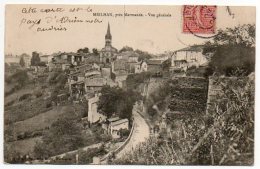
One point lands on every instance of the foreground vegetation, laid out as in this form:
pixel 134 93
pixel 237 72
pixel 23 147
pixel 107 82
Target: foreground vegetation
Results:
pixel 225 136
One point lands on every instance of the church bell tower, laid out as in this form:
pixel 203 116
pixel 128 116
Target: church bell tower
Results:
pixel 108 37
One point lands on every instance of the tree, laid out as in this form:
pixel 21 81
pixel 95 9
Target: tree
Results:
pixel 143 55
pixel 125 106
pixel 83 50
pixel 126 48
pixel 22 62
pixel 95 51
pixel 64 135
pixel 233 51
pixel 166 65
pixel 35 60
pixel 134 80
pixel 42 64
pixel 114 100
pixel 113 76
pixel 109 96
pixel 86 157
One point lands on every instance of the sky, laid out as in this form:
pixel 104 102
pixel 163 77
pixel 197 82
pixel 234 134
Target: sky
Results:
pixel 152 34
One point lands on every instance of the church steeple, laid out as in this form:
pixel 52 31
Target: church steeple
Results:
pixel 108 36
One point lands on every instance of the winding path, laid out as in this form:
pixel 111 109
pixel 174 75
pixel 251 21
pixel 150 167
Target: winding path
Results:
pixel 140 132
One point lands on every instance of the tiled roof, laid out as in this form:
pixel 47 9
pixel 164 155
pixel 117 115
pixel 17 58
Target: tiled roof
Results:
pixel 118 122
pixel 95 82
pixel 45 56
pixel 154 62
pixel 196 48
pixel 112 119
pixel 180 60
pixel 129 54
pixel 120 64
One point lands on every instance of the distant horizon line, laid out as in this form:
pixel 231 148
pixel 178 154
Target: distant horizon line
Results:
pixel 90 49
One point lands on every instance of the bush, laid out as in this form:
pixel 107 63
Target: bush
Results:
pixel 44 87
pixel 124 132
pixel 38 94
pixel 134 80
pixel 10 103
pixel 86 157
pixel 48 105
pixel 25 96
pixel 113 100
pixel 64 135
pixel 20 77
pixel 229 55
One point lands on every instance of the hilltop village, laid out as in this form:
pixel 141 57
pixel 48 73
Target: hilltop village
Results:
pixel 95 106
pixel 81 76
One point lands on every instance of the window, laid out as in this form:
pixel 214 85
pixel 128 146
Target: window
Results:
pixel 193 55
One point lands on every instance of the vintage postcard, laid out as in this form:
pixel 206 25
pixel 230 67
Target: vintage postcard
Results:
pixel 129 84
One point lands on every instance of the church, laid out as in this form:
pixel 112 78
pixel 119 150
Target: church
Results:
pixel 108 53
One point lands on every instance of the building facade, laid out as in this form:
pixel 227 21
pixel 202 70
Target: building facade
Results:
pixel 115 126
pixel 108 53
pixel 187 57
pixel 93 114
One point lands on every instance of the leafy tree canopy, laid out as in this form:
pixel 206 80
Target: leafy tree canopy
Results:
pixel 35 60
pixel 232 51
pixel 95 51
pixel 126 48
pixel 83 50
pixel 22 62
pixel 64 135
pixel 143 55
pixel 115 100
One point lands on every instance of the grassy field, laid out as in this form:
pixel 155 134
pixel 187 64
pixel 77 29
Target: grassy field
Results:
pixel 40 121
pixel 22 146
pixel 15 96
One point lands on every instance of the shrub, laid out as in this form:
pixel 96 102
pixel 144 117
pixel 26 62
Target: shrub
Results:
pixel 86 157
pixel 10 103
pixel 38 94
pixel 48 105
pixel 124 132
pixel 25 96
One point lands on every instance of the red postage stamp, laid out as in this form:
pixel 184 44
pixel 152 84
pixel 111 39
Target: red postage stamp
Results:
pixel 199 19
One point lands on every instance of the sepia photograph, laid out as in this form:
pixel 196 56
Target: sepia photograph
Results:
pixel 129 85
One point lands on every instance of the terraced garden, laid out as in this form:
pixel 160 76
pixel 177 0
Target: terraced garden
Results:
pixel 188 95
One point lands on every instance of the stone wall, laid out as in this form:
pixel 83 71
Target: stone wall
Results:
pixel 215 92
pixel 188 95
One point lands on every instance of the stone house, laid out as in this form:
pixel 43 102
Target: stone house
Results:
pixel 93 114
pixel 154 66
pixel 129 56
pixel 71 58
pixel 76 82
pixel 141 67
pixel 187 57
pixel 39 69
pixel 95 84
pixel 119 66
pixel 27 60
pixel 115 126
pixel 46 59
